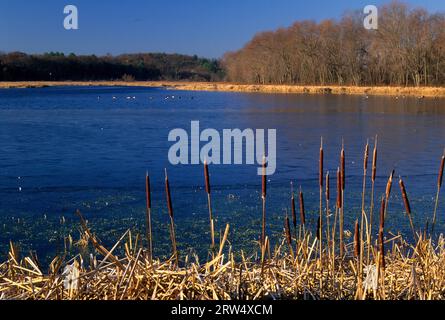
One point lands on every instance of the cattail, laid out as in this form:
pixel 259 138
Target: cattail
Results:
pixel 366 157
pixel 357 240
pixel 209 202
pixel 407 206
pixel 169 198
pixel 287 230
pixel 371 210
pixel 320 175
pixel 338 188
pixel 389 185
pixel 382 213
pixel 264 180
pixel 319 228
pixel 148 191
pixel 374 161
pixel 172 223
pixel 292 205
pixel 404 196
pixel 440 179
pixel 206 176
pixel 328 194
pixel 302 213
pixel 343 169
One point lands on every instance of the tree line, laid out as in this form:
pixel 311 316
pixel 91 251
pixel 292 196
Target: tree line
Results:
pixel 408 48
pixel 55 66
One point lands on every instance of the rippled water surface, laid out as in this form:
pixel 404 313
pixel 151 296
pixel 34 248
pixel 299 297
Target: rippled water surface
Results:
pixel 63 149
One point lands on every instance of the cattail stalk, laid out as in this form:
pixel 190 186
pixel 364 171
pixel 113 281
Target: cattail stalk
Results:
pixel 288 235
pixel 371 210
pixel 342 196
pixel 148 217
pixel 172 221
pixel 263 198
pixel 381 248
pixel 382 251
pixel 365 170
pixel 388 191
pixel 439 186
pixel 357 240
pixel 407 206
pixel 302 211
pixel 358 255
pixel 320 219
pixel 338 213
pixel 382 213
pixel 302 219
pixel 292 205
pixel 209 202
pixel 319 231
pixel 327 195
pixel 362 223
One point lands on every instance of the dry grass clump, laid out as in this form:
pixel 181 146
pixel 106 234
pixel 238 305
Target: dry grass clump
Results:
pixel 411 272
pixel 303 265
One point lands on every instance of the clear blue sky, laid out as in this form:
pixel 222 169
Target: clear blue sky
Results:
pixel 203 27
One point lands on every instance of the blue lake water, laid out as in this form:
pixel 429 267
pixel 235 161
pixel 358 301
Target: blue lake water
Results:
pixel 63 149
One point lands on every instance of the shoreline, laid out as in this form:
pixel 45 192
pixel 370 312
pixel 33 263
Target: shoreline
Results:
pixel 418 92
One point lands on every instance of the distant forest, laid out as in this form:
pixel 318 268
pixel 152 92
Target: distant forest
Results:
pixel 55 66
pixel 408 49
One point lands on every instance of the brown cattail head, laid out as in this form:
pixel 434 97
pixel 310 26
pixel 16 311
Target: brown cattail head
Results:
pixel 338 188
pixel 147 191
pixel 319 228
pixel 389 185
pixel 366 156
pixel 302 213
pixel 374 161
pixel 264 180
pixel 382 213
pixel 357 240
pixel 320 172
pixel 206 176
pixel 292 205
pixel 287 230
pixel 169 198
pixel 442 165
pixel 343 168
pixel 328 193
pixel 405 197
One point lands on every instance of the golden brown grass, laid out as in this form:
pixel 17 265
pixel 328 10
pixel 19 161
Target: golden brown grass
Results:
pixel 411 272
pixel 419 92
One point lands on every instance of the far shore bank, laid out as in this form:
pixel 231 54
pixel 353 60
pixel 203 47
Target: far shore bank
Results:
pixel 419 92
